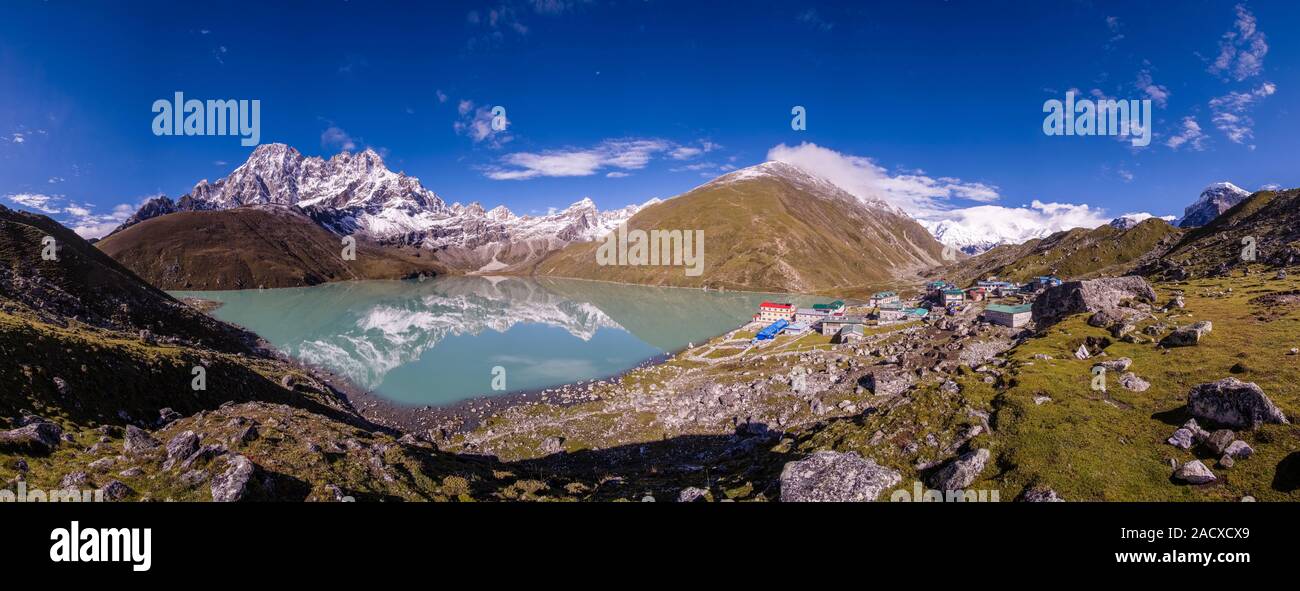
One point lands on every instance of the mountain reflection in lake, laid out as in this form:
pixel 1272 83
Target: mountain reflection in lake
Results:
pixel 437 341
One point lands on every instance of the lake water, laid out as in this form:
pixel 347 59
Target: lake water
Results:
pixel 438 341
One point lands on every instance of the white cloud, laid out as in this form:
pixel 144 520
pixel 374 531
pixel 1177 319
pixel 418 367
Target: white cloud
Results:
pixel 915 193
pixel 334 138
pixel 80 217
pixel 55 180
pixel 1158 93
pixel 476 123
pixel 17 138
pixel 1189 135
pixel 616 175
pixel 622 154
pixel 983 226
pixel 1242 51
pixel 1231 112
pixel 36 201
pixel 442 96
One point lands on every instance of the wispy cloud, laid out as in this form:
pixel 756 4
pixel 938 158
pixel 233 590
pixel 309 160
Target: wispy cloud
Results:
pixel 475 122
pixel 1242 50
pixel 1231 112
pixel 335 138
pixel 814 19
pixel 1189 135
pixel 621 155
pixel 1158 93
pixel 36 201
pixel 79 217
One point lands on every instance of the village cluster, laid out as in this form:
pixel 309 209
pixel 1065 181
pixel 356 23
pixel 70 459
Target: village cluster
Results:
pixel 1007 304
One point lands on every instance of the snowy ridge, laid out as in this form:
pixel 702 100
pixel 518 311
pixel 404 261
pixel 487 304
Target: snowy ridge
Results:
pixel 357 194
pixel 1214 200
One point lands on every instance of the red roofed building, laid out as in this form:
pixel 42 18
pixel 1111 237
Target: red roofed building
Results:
pixel 773 311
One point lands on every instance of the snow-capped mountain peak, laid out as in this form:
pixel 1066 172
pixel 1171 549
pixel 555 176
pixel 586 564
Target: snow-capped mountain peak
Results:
pixel 1214 200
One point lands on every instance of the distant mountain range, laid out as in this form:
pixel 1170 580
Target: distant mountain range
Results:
pixel 357 194
pixel 1214 200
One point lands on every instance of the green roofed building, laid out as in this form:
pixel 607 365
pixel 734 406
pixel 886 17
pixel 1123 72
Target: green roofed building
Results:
pixel 1013 316
pixel 834 306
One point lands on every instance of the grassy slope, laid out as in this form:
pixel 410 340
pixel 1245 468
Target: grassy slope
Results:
pixel 766 234
pixel 1078 254
pixel 1272 218
pixel 250 247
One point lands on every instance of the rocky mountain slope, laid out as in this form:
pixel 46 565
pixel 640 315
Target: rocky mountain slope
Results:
pixel 257 246
pixel 1268 220
pixel 357 194
pixel 770 227
pixel 1213 201
pixel 1077 253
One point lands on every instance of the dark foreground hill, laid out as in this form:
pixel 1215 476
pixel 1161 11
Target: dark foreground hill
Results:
pixel 251 247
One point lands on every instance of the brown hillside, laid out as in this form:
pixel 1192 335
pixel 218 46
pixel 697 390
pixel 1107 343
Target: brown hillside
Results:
pixel 250 247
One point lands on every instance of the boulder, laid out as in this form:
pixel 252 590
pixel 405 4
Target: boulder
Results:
pixel 1198 434
pixel 1116 365
pixel 181 447
pixel 39 437
pixel 836 477
pixel 1219 441
pixel 116 490
pixel 961 472
pixel 234 484
pixel 1239 449
pixel 1092 296
pixel 692 494
pixel 1041 494
pixel 1233 403
pixel 1130 381
pixel 1186 336
pixel 1181 439
pixel 137 440
pixel 1194 472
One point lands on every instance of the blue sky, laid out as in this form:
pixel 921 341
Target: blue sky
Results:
pixel 936 106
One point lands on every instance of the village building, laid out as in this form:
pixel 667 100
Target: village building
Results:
pixel 1013 316
pixel 975 294
pixel 850 332
pixel 834 307
pixel 810 316
pixel 1045 282
pixel 883 298
pixel 773 311
pixel 952 297
pixel 832 324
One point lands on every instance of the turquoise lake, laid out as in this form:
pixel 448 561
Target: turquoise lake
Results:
pixel 438 341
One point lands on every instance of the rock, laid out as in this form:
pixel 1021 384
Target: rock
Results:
pixel 1226 461
pixel 204 455
pixel 835 476
pixel 1116 365
pixel 889 381
pixel 287 381
pixel 1233 403
pixel 961 472
pixel 75 480
pixel 1219 441
pixel 249 434
pixel 1096 295
pixel 180 447
pixel 1040 399
pixel 167 416
pixel 1239 449
pixel 234 484
pixel 100 465
pixel 1082 353
pixel 1181 439
pixel 39 437
pixel 1194 472
pixel 137 440
pixel 552 445
pixel 1130 381
pixel 1043 356
pixel 131 472
pixel 116 490
pixel 1041 494
pixel 1186 336
pixel 1198 434
pixel 692 494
